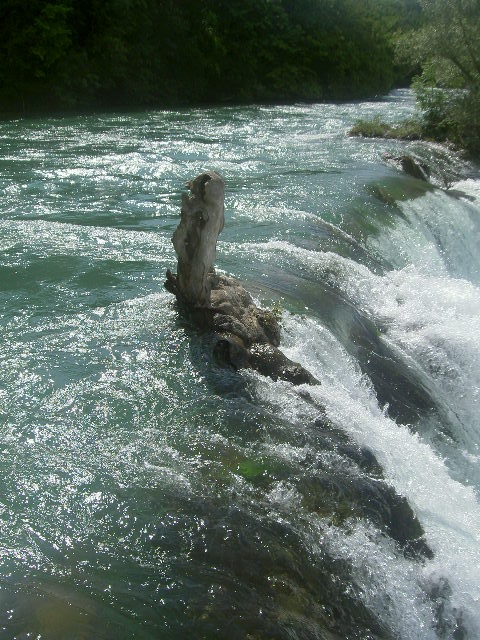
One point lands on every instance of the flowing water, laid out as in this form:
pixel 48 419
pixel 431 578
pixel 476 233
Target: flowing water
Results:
pixel 145 492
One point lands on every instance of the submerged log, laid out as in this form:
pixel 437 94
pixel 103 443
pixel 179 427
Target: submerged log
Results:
pixel 246 336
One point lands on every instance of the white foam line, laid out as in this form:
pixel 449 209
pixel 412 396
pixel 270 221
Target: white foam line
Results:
pixel 448 510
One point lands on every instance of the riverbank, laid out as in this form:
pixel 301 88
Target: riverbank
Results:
pixel 417 128
pixel 410 129
pixel 158 54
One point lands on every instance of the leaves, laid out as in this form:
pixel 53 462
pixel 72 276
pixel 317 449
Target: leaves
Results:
pixel 447 46
pixel 64 53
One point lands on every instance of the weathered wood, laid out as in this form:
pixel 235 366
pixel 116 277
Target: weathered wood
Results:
pixel 195 239
pixel 246 336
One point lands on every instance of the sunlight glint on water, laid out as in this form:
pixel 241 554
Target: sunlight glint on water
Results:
pixel 148 493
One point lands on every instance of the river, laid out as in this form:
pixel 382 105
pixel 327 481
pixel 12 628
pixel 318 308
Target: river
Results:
pixel 148 493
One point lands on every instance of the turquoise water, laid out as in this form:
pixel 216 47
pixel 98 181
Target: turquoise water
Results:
pixel 148 493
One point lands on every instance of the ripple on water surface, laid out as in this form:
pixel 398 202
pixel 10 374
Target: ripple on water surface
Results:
pixel 148 493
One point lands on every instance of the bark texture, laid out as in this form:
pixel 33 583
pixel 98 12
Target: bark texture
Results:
pixel 246 336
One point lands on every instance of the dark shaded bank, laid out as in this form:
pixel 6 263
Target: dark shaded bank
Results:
pixel 64 55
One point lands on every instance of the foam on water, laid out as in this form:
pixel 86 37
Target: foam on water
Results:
pixel 439 234
pixel 427 312
pixel 431 322
pixel 448 510
pixel 390 585
pixel 469 189
pixel 153 491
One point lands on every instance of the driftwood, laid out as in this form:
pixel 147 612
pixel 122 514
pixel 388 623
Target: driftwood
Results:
pixel 245 335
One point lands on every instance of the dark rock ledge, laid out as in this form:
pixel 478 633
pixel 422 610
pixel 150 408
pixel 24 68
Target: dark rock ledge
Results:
pixel 245 336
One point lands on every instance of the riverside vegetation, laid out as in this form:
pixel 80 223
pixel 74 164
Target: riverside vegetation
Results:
pixel 62 55
pixel 446 46
pixel 58 55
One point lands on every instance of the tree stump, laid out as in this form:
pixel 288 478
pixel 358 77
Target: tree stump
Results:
pixel 245 335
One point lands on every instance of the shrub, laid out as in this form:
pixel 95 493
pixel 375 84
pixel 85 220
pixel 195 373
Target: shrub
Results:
pixel 409 129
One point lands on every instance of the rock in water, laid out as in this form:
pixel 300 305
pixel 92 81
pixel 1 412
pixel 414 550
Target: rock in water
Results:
pixel 415 168
pixel 246 336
